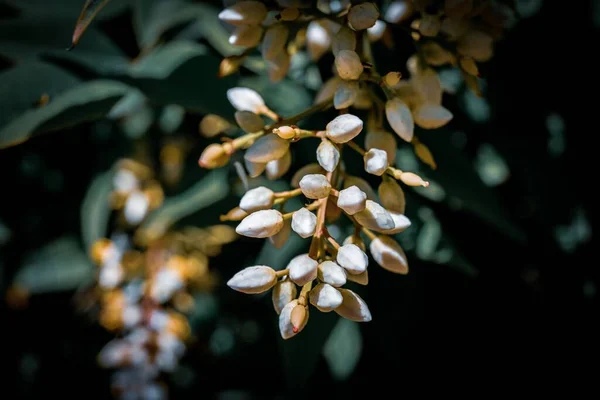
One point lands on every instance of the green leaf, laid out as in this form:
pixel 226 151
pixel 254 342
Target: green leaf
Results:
pixel 86 102
pixel 95 209
pixel 59 266
pixel 28 38
pixel 21 87
pixel 211 189
pixel 343 348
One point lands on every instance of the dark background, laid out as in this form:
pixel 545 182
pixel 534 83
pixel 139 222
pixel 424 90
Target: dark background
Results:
pixel 529 317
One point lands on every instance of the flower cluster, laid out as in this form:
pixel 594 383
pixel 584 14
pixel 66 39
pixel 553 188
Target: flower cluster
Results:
pixel 144 289
pixel 454 33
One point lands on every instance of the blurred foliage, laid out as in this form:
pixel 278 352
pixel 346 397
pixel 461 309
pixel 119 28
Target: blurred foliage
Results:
pixel 499 244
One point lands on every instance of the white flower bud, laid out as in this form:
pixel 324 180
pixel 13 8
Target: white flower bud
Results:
pixel 252 280
pixel 346 94
pixel 261 224
pixel 344 128
pixel 331 273
pixel 392 196
pixel 136 207
pixel 328 155
pixel 353 307
pixel 277 168
pixel 363 16
pixel 246 36
pixel 400 119
pixel 254 169
pixel 249 121
pixel 244 13
pixel 375 161
pixel 360 183
pixel 308 169
pixel 348 65
pixel 286 328
pixel 432 116
pixel 388 253
pixel 361 279
pixel 283 293
pixel 274 41
pixel 401 223
pixel 325 297
pixel 267 148
pixel 244 99
pixel 357 241
pixel 279 239
pixel 430 25
pixel 352 200
pixel 303 269
pixel 315 186
pixel 377 31
pixel 375 217
pixel 304 223
pixel 259 198
pixel 328 89
pixel 345 39
pixel 318 40
pixel 382 140
pixel 352 259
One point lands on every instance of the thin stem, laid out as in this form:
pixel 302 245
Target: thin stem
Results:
pixel 311 207
pixel 369 234
pixel 288 194
pixel 330 239
pixel 304 293
pixel 282 273
pixel 316 245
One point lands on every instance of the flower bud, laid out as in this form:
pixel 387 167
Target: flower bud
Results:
pixel 279 239
pixel 328 155
pixel 261 224
pixel 289 14
pixel 283 293
pixel 285 132
pixel 345 39
pixel 363 16
pixel 304 223
pixel 259 198
pixel 136 207
pixel 346 94
pixel 308 169
pixel 388 253
pixel 286 328
pixel 360 183
pixel 353 307
pixel 315 186
pixel 344 128
pixel 249 121
pixel 392 196
pixel 244 13
pixel 277 168
pixel 361 279
pixel 318 40
pixel 348 65
pixel 274 41
pixel 254 169
pixel 246 36
pixel 375 162
pixel 357 240
pixel 375 217
pixel 378 139
pixel 213 156
pixel 325 297
pixel 267 148
pixel 398 11
pixel 352 200
pixel 211 125
pixel 230 65
pixel 331 273
pixel 400 119
pixel 252 280
pixel 412 179
pixel 401 223
pixel 352 259
pixel 392 78
pixel 245 99
pixel 303 269
pixel 432 116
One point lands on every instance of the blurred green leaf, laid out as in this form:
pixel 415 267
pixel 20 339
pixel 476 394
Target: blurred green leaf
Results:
pixel 59 266
pixel 171 118
pixel 95 209
pixel 90 9
pixel 163 60
pixel 343 348
pixel 211 189
pixel 27 38
pixel 85 102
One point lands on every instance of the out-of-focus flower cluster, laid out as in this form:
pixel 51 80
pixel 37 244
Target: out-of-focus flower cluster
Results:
pixel 456 33
pixel 144 289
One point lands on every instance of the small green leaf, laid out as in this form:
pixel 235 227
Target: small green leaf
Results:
pixel 343 348
pixel 95 209
pixel 89 12
pixel 86 102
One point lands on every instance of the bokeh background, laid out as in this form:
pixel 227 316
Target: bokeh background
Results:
pixel 503 281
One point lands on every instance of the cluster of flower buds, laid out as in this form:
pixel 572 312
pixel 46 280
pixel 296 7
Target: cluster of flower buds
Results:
pixel 144 294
